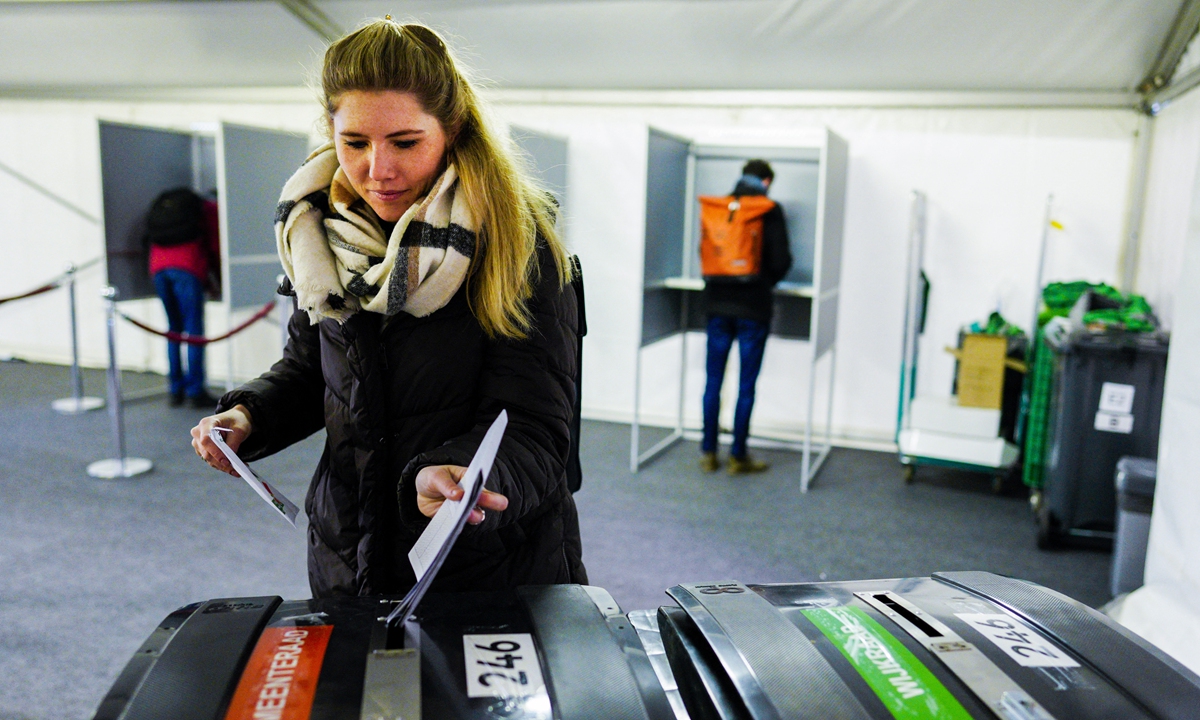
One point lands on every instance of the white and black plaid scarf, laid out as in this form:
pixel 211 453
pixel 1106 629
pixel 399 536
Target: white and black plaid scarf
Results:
pixel 333 248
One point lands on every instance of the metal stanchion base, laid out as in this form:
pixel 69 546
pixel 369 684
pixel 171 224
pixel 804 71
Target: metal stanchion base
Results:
pixel 75 406
pixel 119 467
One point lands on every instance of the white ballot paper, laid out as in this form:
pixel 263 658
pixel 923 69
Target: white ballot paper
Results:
pixel 274 498
pixel 432 547
pixel 445 526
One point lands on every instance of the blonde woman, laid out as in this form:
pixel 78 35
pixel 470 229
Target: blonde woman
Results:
pixel 432 292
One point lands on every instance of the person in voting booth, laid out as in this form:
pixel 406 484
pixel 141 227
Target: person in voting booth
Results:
pixel 432 292
pixel 185 260
pixel 743 252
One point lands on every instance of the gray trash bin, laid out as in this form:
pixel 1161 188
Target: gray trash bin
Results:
pixel 1135 499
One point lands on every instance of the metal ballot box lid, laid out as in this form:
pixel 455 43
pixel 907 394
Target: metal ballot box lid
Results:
pixel 954 645
pixel 561 652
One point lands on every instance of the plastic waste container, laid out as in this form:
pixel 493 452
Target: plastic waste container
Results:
pixel 1106 403
pixel 1135 480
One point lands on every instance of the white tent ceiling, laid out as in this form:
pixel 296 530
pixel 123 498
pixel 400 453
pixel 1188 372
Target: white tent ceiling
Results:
pixel 61 47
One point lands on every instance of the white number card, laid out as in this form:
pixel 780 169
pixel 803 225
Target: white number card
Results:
pixel 1015 638
pixel 502 666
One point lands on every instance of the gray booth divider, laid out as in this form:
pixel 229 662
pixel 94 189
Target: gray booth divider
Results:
pixel 548 159
pixel 253 165
pixel 136 165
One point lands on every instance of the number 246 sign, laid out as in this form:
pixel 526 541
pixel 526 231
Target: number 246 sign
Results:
pixel 502 665
pixel 1017 640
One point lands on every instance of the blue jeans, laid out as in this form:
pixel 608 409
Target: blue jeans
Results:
pixel 182 295
pixel 752 340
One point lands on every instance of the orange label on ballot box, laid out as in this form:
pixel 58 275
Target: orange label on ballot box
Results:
pixel 281 677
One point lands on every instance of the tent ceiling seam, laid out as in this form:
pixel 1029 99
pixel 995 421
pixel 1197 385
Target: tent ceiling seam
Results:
pixel 672 98
pixel 1175 44
pixel 314 17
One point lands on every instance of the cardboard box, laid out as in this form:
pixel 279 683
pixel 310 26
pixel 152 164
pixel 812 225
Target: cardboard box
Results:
pixel 981 371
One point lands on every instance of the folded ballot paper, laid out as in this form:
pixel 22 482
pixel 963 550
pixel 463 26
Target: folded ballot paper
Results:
pixel 272 496
pixel 432 547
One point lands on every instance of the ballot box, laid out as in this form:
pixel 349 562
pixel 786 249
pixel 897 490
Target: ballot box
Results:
pixel 954 645
pixel 562 651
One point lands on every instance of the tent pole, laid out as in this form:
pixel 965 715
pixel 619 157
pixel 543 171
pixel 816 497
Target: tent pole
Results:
pixel 1138 182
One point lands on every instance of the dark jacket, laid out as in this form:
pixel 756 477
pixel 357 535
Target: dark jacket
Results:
pixel 397 394
pixel 751 298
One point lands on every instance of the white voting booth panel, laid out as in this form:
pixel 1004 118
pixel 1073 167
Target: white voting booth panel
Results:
pixel 241 168
pixel 810 186
pixel 252 164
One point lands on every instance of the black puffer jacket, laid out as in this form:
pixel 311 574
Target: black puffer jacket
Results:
pixel 397 394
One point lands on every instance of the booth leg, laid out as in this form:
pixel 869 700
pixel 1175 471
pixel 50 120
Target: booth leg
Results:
pixel 77 403
pixel 806 462
pixel 633 428
pixel 229 383
pixel 120 466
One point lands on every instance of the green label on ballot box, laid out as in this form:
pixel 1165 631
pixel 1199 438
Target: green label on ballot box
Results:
pixel 903 684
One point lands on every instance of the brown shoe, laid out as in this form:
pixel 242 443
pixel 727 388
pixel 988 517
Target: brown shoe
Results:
pixel 709 462
pixel 741 466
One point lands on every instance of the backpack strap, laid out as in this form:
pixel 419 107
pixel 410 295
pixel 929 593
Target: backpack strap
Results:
pixel 574 468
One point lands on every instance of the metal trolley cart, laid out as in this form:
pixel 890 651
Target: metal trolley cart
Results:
pixel 935 430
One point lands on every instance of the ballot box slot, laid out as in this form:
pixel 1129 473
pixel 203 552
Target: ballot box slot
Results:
pixel 913 617
pixel 392 678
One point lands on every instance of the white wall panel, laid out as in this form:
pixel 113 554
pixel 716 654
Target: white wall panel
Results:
pixel 56 145
pixel 986 173
pixel 1173 164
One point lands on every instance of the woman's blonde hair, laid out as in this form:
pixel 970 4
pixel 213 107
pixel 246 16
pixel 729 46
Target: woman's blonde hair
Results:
pixel 512 211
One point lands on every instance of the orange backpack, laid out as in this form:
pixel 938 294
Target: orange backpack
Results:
pixel 731 230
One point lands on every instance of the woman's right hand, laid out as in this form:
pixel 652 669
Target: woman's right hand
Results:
pixel 237 421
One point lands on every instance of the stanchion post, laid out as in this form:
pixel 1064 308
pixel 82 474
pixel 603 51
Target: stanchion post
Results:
pixel 120 466
pixel 77 403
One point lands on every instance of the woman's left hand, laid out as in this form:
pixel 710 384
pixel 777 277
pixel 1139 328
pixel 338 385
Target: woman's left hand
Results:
pixel 439 483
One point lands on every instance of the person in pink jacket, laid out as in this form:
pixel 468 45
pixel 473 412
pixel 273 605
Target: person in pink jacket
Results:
pixel 184 256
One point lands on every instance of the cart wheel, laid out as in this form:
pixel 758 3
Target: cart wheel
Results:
pixel 1047 535
pixel 1035 501
pixel 910 473
pixel 998 484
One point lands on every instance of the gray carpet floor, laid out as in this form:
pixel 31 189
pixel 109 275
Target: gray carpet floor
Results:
pixel 89 567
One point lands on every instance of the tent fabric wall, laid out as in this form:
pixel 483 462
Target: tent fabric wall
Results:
pixel 1166 610
pixel 1173 165
pixel 58 149
pixel 986 172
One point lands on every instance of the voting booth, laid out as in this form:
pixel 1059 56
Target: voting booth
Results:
pixel 241 168
pixel 810 187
